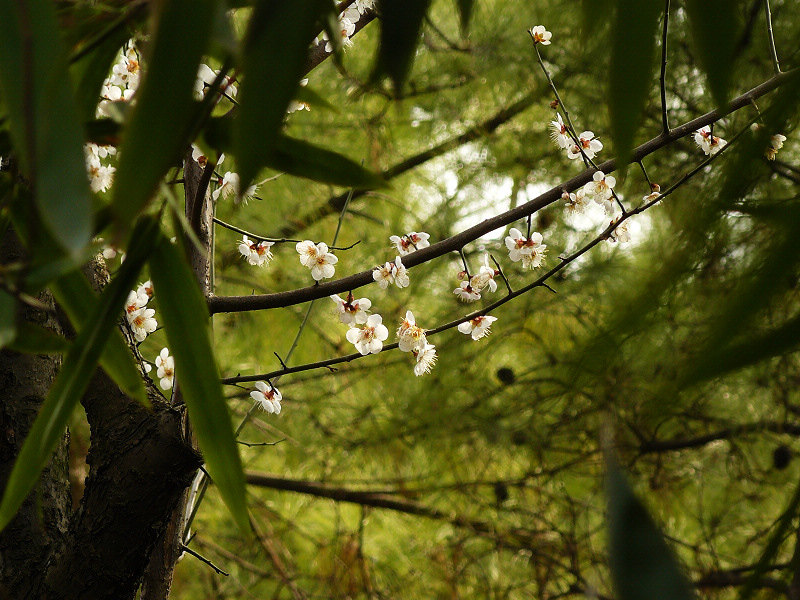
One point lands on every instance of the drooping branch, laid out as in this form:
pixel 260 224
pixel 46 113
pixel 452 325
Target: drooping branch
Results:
pixel 656 446
pixel 220 304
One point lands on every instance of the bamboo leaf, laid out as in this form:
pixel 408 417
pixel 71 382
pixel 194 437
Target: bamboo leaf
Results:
pixel 76 297
pixel 33 339
pixel 465 13
pixel 643 566
pixel 401 25
pixel 43 119
pixel 632 69
pixel 186 319
pixel 161 122
pixel 73 378
pixel 715 32
pixel 274 61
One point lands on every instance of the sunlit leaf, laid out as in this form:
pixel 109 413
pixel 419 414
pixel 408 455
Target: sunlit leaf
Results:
pixel 274 59
pixel 401 24
pixel 73 378
pixel 633 39
pixel 43 119
pixel 186 320
pixel 715 32
pixel 643 567
pixel 161 122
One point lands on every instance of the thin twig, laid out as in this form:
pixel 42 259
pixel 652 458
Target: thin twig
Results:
pixel 199 557
pixel 773 52
pixel 663 79
pixel 262 238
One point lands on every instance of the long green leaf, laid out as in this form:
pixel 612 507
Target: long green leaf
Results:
pixel 715 32
pixel 465 13
pixel 8 318
pixel 643 567
pixel 43 119
pixel 632 69
pixel 186 320
pixel 161 122
pixel 73 378
pixel 76 297
pixel 33 339
pixel 273 62
pixel 92 68
pixel 401 24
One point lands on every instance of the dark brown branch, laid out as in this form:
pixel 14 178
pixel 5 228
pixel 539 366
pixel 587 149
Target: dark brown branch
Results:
pixel 655 446
pixel 663 78
pixel 288 298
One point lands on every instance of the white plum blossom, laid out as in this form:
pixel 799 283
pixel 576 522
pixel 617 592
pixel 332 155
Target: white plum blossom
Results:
pixel 126 71
pixel 136 300
pixel 426 358
pixel 142 323
pixel 391 273
pixel 466 293
pixel 710 144
pixel 559 133
pixel 256 253
pixel 540 35
pixel 600 189
pixel 477 327
pixel 410 242
pixel 621 234
pixel 205 77
pixel 409 335
pixel 201 159
pixel 364 5
pixel 308 252
pixel 485 277
pixel 101 176
pixel 369 338
pixel 654 194
pixel 321 264
pixel 146 289
pixel 229 185
pixel 529 251
pixel 346 28
pixel 587 144
pixel 166 369
pixel 577 202
pixel 268 397
pixel 352 311
pixel 296 105
pixel 775 144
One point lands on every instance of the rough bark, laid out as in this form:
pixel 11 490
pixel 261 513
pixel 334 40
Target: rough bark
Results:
pixel 42 520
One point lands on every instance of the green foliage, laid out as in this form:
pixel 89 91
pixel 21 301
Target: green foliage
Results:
pixel 185 317
pixel 401 25
pixel 43 122
pixel 8 318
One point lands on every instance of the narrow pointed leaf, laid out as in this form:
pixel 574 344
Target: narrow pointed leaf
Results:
pixel 161 122
pixel 465 13
pixel 33 339
pixel 401 24
pixel 186 320
pixel 8 318
pixel 632 69
pixel 76 297
pixel 73 378
pixel 43 119
pixel 643 566
pixel 274 60
pixel 715 33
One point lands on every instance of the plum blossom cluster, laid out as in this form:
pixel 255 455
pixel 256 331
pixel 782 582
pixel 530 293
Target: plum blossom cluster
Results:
pixel 411 338
pixel 267 397
pixel 256 253
pixel 529 250
pixel 478 327
pixel 709 143
pixel 140 318
pixel 347 23
pixel 391 272
pixel 98 167
pixel 408 243
pixel 317 258
pixel 122 83
pixel 165 369
pixel 601 190
pixel 206 77
pixel 585 144
pixel 470 288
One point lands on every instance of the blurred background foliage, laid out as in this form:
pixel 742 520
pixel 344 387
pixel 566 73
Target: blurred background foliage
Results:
pixel 493 464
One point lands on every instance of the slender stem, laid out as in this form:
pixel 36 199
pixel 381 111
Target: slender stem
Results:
pixel 464 262
pixel 773 52
pixel 503 275
pixel 188 550
pixel 540 282
pixel 663 80
pixel 644 172
pixel 262 238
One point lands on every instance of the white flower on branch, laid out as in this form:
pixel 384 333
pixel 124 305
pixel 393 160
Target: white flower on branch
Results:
pixel 466 293
pixel 142 323
pixel 426 358
pixel 391 273
pixel 540 35
pixel 256 253
pixel 369 338
pixel 530 251
pixel 587 145
pixel 409 335
pixel 709 143
pixel 165 365
pixel 268 397
pixel 477 327
pixel 317 258
pixel 775 144
pixel 600 190
pixel 485 277
pixel 352 311
pixel 559 134
pixel 405 244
